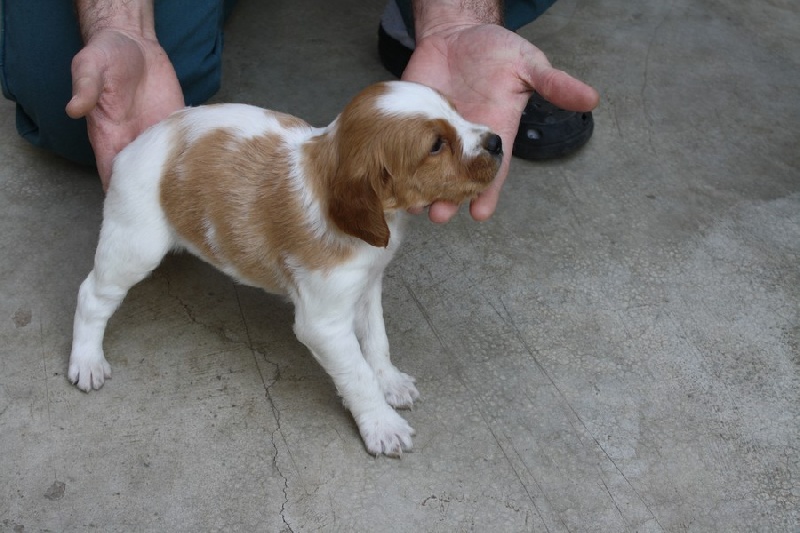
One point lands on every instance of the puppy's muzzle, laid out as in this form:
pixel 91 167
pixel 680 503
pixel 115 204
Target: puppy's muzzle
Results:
pixel 493 144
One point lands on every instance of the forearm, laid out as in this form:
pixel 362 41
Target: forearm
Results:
pixel 434 16
pixel 134 17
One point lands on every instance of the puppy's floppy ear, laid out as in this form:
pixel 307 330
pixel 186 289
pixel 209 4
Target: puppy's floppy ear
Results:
pixel 355 205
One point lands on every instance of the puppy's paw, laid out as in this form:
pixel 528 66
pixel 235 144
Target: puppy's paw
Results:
pixel 398 388
pixel 385 433
pixel 88 372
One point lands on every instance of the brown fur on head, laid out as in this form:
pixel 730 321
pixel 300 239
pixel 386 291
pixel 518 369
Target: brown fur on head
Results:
pixel 386 157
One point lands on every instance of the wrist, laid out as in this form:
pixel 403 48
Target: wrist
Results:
pixel 132 17
pixel 443 17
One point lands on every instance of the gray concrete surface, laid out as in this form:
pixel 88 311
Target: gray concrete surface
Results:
pixel 616 350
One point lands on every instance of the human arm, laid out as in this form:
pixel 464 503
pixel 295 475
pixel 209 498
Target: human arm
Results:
pixel 463 50
pixel 122 80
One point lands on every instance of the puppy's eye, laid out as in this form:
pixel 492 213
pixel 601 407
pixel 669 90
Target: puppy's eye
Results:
pixel 438 144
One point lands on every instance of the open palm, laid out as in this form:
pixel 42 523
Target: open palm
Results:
pixel 122 85
pixel 489 72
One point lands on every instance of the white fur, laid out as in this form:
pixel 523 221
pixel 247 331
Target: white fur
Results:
pixel 338 311
pixel 246 120
pixel 407 98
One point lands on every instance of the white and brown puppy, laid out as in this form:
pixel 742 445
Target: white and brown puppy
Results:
pixel 314 213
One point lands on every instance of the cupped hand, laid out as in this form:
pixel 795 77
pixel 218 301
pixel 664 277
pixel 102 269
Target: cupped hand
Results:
pixel 122 84
pixel 489 72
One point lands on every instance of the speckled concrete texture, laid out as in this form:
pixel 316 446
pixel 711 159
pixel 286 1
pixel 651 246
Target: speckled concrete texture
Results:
pixel 616 350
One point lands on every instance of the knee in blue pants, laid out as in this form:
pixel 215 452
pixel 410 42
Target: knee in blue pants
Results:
pixel 39 39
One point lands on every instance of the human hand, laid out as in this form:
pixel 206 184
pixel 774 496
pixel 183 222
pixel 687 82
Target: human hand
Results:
pixel 489 73
pixel 122 83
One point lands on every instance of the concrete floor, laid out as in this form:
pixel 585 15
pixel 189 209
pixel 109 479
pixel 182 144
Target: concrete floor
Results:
pixel 616 350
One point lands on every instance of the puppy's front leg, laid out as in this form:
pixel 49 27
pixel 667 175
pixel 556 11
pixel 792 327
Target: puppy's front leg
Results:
pixel 328 332
pixel 398 387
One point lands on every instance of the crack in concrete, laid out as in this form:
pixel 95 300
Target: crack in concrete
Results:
pixel 219 331
pixel 267 383
pixel 275 411
pixel 278 433
pixel 646 76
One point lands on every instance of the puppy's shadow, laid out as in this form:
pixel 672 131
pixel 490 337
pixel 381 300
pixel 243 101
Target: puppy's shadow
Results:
pixel 238 314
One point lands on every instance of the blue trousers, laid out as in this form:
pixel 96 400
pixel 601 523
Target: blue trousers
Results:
pixel 39 38
pixel 516 13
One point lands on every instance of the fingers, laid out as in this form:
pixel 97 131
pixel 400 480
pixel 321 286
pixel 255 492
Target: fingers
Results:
pixel 107 141
pixel 442 211
pixel 482 208
pixel 85 94
pixel 104 147
pixel 87 84
pixel 104 165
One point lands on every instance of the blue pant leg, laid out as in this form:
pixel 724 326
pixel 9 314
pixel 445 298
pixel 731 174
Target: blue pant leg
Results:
pixel 516 13
pixel 521 12
pixel 191 33
pixel 39 40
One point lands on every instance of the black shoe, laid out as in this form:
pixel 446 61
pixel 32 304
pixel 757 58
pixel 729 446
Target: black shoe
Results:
pixel 394 56
pixel 545 131
pixel 549 132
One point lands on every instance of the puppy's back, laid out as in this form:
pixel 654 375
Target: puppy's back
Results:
pixel 229 181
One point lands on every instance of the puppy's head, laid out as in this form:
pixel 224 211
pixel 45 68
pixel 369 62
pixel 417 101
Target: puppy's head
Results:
pixel 401 145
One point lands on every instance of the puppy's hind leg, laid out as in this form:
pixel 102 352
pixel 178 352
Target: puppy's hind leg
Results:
pixel 128 250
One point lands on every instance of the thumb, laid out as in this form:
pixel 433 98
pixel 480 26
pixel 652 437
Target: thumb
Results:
pixel 559 88
pixel 87 84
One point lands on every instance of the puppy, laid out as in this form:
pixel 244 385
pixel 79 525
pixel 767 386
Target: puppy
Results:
pixel 312 213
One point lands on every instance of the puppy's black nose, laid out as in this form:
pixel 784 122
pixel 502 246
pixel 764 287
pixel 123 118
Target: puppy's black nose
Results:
pixel 493 144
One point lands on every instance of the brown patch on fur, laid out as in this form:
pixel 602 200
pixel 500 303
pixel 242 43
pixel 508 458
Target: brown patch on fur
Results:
pixel 232 199
pixel 353 180
pixel 287 121
pixel 351 189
